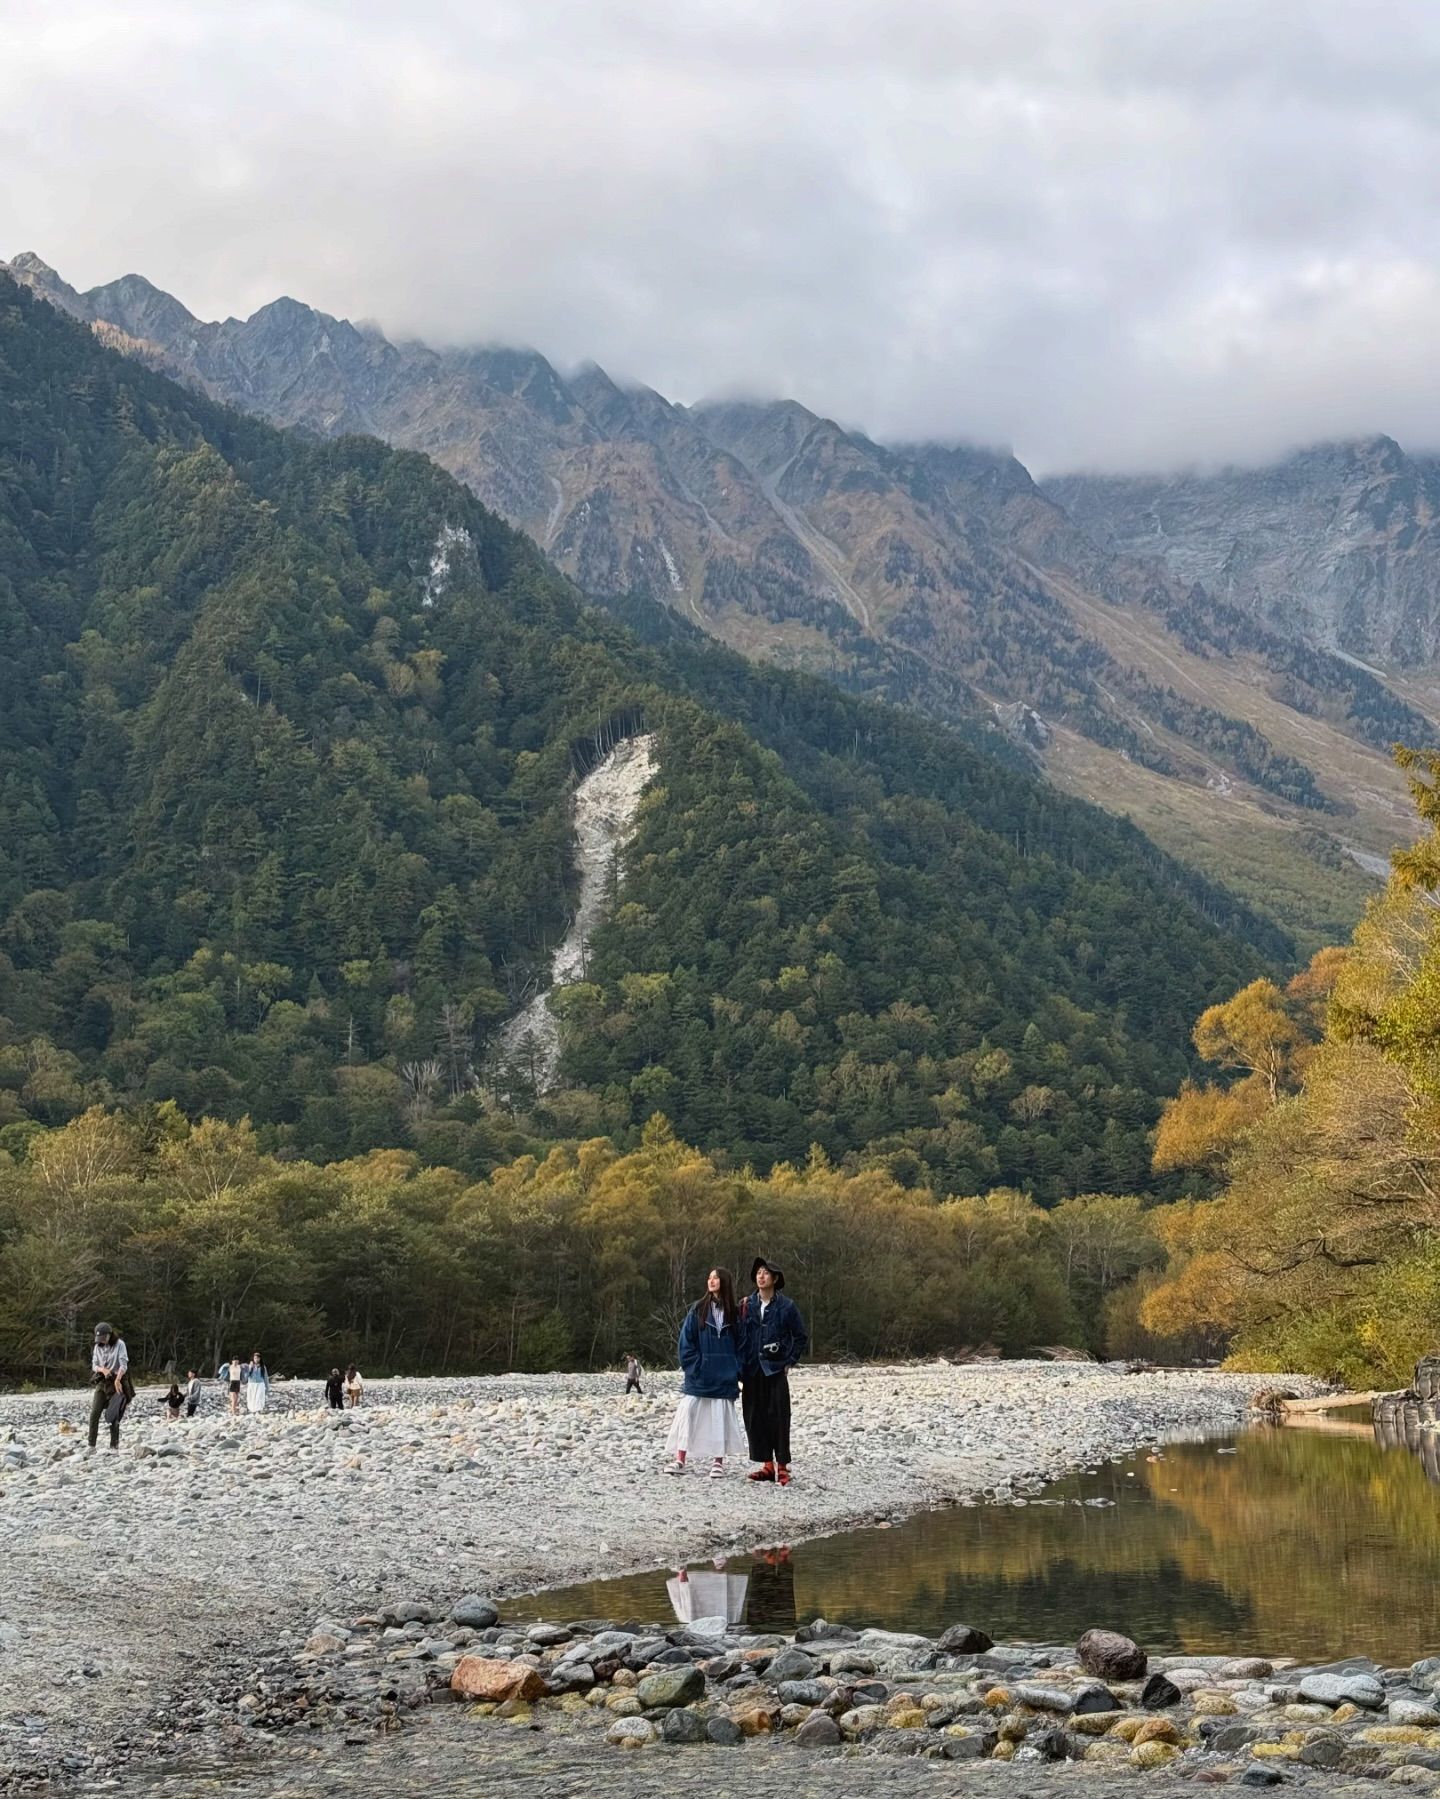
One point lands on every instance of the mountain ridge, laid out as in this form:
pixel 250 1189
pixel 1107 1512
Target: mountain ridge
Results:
pixel 939 576
pixel 289 730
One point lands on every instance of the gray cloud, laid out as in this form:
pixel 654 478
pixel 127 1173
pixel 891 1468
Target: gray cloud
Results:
pixel 1115 233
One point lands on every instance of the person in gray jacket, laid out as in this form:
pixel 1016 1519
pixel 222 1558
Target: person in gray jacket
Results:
pixel 110 1378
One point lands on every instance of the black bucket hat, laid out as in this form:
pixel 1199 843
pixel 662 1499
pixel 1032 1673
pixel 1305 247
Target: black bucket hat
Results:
pixel 761 1262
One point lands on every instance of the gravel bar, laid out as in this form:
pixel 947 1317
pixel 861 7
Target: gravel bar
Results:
pixel 129 1578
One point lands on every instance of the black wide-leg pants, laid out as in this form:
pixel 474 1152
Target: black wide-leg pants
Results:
pixel 765 1405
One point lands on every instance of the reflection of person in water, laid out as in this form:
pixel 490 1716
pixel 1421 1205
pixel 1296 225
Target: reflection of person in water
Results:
pixel 772 1591
pixel 708 1593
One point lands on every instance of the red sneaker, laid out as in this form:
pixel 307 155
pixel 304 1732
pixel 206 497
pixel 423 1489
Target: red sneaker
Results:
pixel 782 1475
pixel 766 1471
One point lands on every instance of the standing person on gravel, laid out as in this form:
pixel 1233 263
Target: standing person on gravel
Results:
pixel 335 1390
pixel 634 1374
pixel 775 1340
pixel 192 1394
pixel 354 1387
pixel 705 1426
pixel 234 1377
pixel 110 1378
pixel 257 1385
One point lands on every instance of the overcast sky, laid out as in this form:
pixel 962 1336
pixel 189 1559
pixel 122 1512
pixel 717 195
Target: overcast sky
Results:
pixel 1111 233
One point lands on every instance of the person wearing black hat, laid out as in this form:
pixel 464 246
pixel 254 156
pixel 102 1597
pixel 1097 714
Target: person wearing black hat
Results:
pixel 775 1340
pixel 110 1377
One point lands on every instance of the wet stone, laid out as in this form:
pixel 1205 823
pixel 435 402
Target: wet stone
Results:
pixel 675 1686
pixel 683 1726
pixel 819 1731
pixel 1159 1692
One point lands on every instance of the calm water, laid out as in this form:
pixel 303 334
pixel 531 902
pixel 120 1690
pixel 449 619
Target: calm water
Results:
pixel 1313 1542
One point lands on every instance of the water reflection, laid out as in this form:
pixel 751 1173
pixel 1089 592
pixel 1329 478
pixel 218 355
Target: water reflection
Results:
pixel 1414 1426
pixel 1289 1541
pixel 711 1592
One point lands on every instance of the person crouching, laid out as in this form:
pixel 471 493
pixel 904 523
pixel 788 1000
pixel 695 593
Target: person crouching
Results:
pixel 706 1427
pixel 775 1340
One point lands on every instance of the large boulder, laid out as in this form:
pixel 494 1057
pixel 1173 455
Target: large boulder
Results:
pixel 1109 1656
pixel 964 1639
pixel 480 1677
pixel 792 1664
pixel 682 1726
pixel 671 1687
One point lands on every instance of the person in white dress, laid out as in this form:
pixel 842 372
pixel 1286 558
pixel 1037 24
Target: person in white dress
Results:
pixel 707 1426
pixel 257 1384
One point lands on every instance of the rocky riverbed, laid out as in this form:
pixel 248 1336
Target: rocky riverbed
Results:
pixel 160 1599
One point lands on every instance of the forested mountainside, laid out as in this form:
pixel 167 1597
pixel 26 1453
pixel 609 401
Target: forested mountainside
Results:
pixel 288 732
pixel 936 576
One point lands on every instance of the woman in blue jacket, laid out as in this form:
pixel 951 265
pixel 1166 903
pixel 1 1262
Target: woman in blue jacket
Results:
pixel 711 1355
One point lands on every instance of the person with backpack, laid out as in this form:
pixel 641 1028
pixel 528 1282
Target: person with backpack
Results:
pixel 705 1426
pixel 775 1340
pixel 257 1384
pixel 110 1378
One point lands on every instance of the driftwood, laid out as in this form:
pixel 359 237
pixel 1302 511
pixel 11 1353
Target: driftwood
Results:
pixel 1280 1404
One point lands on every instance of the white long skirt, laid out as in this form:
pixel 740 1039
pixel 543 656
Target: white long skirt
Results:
pixel 705 1427
pixel 256 1395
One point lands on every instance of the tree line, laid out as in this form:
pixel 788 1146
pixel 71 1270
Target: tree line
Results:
pixel 1311 1242
pixel 200 1244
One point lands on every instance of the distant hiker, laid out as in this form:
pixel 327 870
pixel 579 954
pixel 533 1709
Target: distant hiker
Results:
pixel 173 1401
pixel 233 1377
pixel 110 1377
pixel 193 1389
pixel 634 1374
pixel 335 1390
pixel 257 1384
pixel 775 1340
pixel 711 1348
pixel 354 1386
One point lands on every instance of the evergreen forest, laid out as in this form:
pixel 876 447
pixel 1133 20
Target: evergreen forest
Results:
pixel 288 735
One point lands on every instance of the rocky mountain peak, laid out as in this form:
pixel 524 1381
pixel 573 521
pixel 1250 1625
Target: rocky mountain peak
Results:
pixel 141 309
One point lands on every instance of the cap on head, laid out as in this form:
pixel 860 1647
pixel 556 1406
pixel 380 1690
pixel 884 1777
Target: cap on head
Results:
pixel 104 1330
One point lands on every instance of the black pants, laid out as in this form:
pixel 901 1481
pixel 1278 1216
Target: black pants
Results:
pixel 765 1404
pixel 633 1385
pixel 99 1399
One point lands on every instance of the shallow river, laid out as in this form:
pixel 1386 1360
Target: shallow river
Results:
pixel 1312 1542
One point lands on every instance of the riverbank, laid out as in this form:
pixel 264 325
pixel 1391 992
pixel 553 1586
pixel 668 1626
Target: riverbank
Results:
pixel 131 1578
pixel 569 1708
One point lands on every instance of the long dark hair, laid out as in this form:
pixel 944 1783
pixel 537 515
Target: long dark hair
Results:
pixel 725 1298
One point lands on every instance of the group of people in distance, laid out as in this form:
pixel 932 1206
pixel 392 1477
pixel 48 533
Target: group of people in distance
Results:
pixel 344 1391
pixel 726 1347
pixel 252 1378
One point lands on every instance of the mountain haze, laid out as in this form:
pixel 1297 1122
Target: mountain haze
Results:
pixel 1234 727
